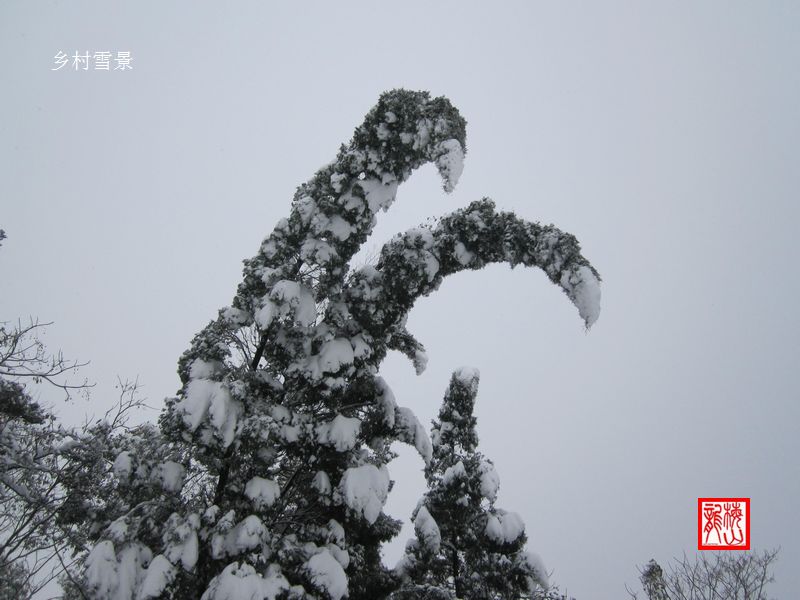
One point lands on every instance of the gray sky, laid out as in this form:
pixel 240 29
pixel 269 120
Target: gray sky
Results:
pixel 664 137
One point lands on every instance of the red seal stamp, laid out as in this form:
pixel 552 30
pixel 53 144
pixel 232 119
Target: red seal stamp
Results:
pixel 723 523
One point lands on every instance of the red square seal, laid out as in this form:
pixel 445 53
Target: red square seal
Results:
pixel 723 523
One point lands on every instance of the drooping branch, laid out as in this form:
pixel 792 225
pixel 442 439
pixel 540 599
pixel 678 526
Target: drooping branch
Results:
pixel 378 299
pixel 334 212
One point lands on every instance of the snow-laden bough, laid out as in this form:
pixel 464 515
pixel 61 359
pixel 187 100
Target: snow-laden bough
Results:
pixel 282 412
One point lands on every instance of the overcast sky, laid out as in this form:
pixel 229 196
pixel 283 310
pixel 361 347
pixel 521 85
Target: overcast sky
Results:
pixel 664 137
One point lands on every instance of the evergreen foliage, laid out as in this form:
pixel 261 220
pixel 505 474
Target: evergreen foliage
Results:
pixel 465 546
pixel 268 474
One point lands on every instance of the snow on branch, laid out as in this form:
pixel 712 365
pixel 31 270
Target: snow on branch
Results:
pixel 414 264
pixel 283 427
pixel 333 213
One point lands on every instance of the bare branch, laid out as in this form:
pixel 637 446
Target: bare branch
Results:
pixel 23 356
pixel 710 576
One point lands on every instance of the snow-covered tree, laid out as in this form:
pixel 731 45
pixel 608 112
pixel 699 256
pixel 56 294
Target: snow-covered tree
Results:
pixel 32 465
pixel 25 482
pixel 465 546
pixel 269 474
pixel 54 487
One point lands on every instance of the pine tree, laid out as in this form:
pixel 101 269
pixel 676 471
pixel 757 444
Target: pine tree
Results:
pixel 464 545
pixel 268 476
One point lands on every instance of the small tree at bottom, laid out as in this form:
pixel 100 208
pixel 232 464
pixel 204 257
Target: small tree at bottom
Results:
pixel 464 546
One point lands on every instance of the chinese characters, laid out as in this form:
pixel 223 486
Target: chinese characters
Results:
pixel 98 61
pixel 723 523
